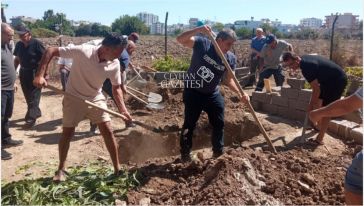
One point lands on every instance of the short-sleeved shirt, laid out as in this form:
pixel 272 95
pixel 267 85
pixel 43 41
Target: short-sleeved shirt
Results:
pixel 207 67
pixel 272 56
pixel 124 60
pixel 88 73
pixel 257 44
pixel 29 56
pixel 325 71
pixel 8 73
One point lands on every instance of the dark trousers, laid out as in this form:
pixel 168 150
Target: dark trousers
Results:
pixel 31 93
pixel 7 105
pixel 64 78
pixel 266 73
pixel 254 64
pixel 107 88
pixel 195 103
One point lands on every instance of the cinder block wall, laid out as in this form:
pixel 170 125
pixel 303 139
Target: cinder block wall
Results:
pixel 291 102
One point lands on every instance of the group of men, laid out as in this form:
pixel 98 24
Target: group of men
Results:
pixel 93 65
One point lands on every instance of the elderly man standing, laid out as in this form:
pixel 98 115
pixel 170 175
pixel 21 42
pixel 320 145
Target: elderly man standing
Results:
pixel 208 68
pixel 28 52
pixel 255 60
pixel 8 76
pixel 271 54
pixel 92 65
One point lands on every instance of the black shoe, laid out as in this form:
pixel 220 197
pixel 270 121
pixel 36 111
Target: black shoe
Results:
pixel 94 130
pixel 217 154
pixel 30 122
pixel 5 155
pixel 130 124
pixel 12 143
pixel 186 157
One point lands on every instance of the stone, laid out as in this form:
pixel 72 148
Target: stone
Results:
pixel 259 96
pixel 289 93
pixel 357 134
pixel 144 201
pixel 334 126
pixel 344 128
pixel 301 105
pixel 308 178
pixel 270 108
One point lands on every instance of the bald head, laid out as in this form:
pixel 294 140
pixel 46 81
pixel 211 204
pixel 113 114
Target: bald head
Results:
pixel 131 47
pixel 7 33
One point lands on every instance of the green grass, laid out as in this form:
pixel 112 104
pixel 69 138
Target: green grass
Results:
pixel 94 184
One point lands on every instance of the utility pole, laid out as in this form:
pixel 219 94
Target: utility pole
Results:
pixel 332 35
pixel 165 36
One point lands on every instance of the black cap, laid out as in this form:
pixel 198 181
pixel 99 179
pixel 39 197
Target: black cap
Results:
pixel 21 29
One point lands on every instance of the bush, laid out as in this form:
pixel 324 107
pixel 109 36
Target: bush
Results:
pixel 43 33
pixel 171 64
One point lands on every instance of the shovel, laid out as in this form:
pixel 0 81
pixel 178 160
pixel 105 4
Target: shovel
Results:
pixel 150 105
pixel 152 97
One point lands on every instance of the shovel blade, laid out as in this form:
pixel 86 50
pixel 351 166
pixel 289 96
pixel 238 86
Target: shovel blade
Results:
pixel 155 106
pixel 154 97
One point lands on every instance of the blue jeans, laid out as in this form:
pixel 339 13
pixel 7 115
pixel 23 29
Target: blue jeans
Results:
pixel 266 73
pixel 354 175
pixel 196 102
pixel 7 105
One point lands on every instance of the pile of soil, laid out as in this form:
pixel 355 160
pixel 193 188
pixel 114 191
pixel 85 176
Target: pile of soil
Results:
pixel 244 176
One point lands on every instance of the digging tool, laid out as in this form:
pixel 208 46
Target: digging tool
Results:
pixel 152 97
pixel 148 69
pixel 150 105
pixel 230 71
pixel 304 127
pixel 59 91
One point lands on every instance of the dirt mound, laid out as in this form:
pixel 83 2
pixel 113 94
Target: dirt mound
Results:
pixel 244 176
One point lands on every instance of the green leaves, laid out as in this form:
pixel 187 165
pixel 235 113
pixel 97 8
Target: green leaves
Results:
pixel 94 184
pixel 171 64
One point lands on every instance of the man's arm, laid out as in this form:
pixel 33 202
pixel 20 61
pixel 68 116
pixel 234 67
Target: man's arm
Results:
pixel 315 95
pixel 39 80
pixel 290 48
pixel 337 108
pixel 187 38
pixel 16 62
pixel 119 100
pixel 229 82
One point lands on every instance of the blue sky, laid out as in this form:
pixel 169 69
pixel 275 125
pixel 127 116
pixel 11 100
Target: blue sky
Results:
pixel 225 11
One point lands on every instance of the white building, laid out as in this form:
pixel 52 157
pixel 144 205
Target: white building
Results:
pixel 249 24
pixel 157 28
pixel 313 23
pixel 16 20
pixel 147 18
pixel 345 21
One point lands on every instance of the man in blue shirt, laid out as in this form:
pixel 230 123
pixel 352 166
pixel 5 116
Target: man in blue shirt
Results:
pixel 207 70
pixel 255 60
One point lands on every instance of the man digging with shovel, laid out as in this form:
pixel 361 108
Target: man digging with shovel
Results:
pixel 92 65
pixel 209 70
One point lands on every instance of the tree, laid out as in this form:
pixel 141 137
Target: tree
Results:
pixel 177 32
pixel 99 30
pixel 243 33
pixel 84 30
pixel 218 26
pixel 128 24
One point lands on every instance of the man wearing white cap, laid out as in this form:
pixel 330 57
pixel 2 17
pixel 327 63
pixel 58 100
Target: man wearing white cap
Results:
pixel 255 60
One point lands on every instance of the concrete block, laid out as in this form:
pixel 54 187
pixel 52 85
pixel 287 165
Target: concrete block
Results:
pixel 344 128
pixel 355 116
pixel 290 93
pixel 305 95
pixel 357 135
pixel 296 83
pixel 292 103
pixel 280 101
pixel 256 105
pixel 283 111
pixel 334 126
pixel 300 105
pixel 270 108
pixel 241 71
pixel 259 96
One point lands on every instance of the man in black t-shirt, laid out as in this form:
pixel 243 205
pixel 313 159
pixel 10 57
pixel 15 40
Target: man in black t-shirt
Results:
pixel 28 52
pixel 327 79
pixel 8 86
pixel 201 84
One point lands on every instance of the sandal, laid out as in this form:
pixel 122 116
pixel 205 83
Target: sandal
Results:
pixel 60 176
pixel 316 142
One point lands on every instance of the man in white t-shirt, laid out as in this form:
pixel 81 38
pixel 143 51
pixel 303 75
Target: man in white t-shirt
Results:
pixel 65 65
pixel 91 66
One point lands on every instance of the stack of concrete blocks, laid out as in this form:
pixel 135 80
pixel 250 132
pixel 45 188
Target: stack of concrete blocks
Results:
pixel 289 101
